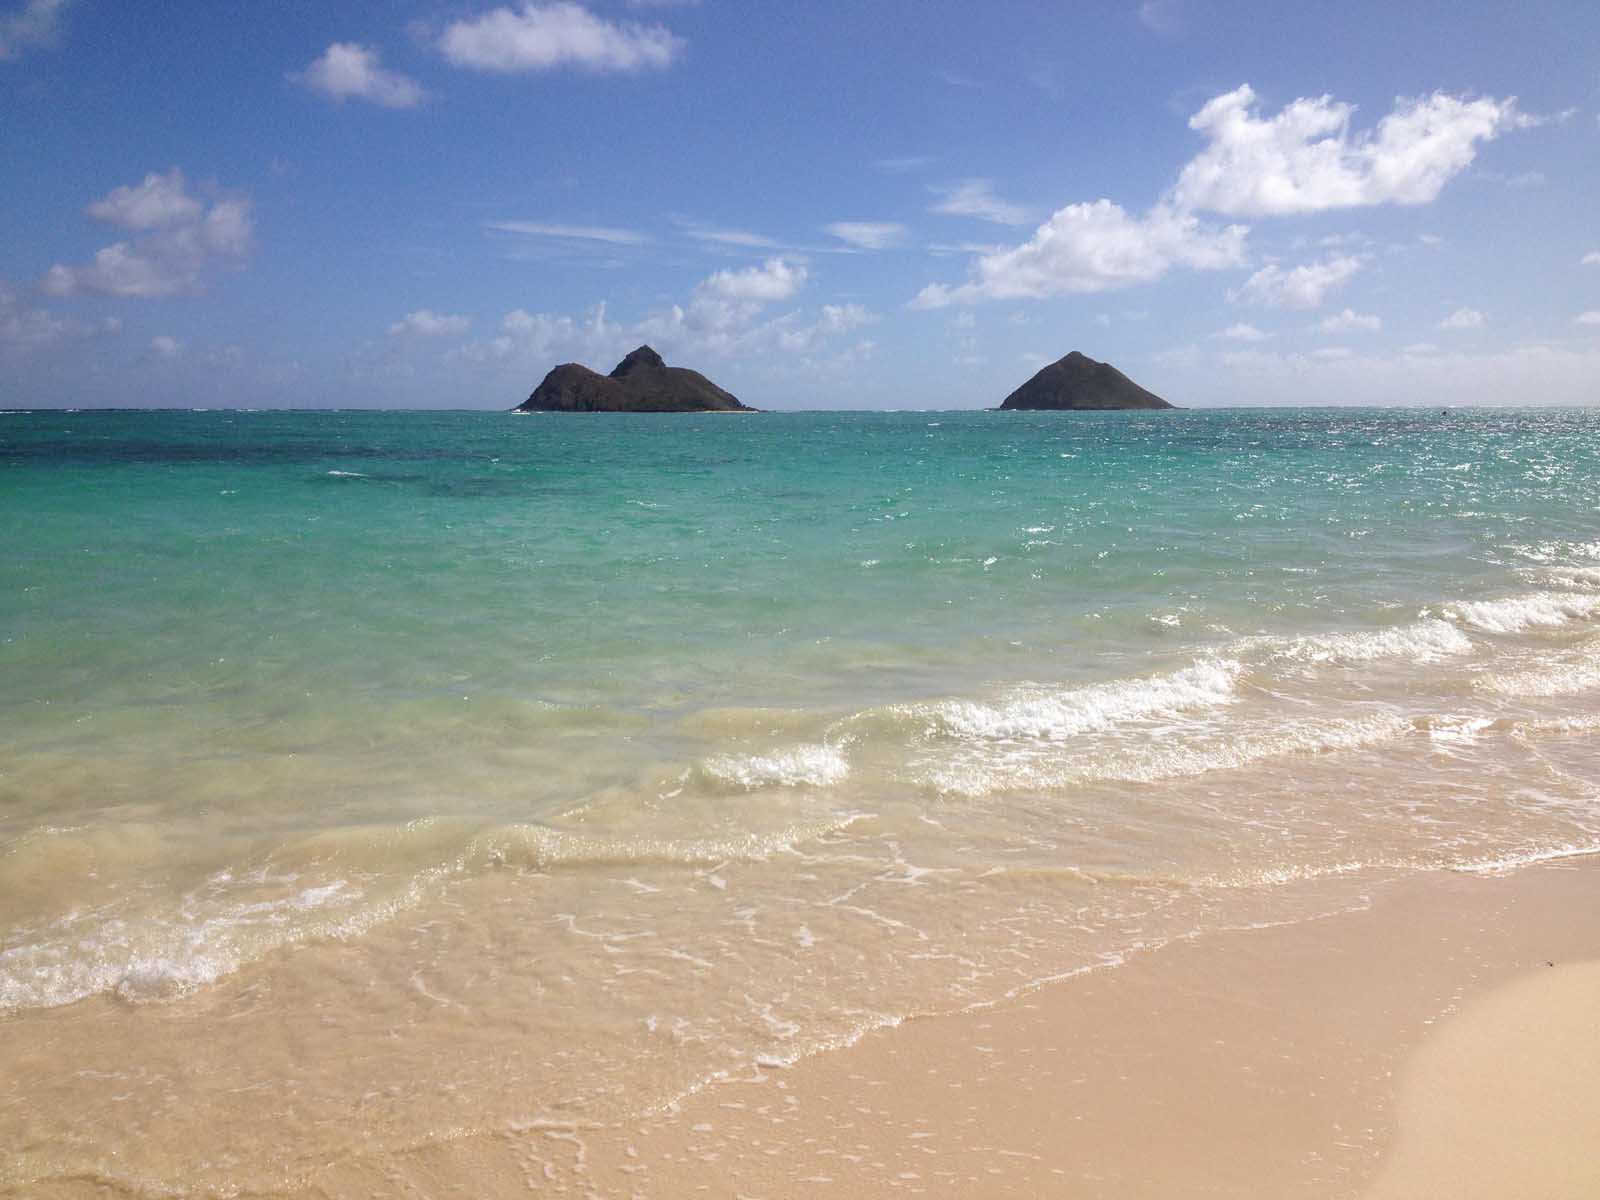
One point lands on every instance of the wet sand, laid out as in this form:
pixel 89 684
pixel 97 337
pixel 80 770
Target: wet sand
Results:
pixel 1438 1040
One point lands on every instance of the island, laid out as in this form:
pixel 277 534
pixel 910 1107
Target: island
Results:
pixel 640 383
pixel 1078 382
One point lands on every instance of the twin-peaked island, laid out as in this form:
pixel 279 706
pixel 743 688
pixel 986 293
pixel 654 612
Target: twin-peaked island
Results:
pixel 643 383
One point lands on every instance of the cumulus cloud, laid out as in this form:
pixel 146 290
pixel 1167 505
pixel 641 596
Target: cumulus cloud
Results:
pixel 25 329
pixel 541 37
pixel 1303 159
pixel 723 312
pixel 1242 332
pixel 1591 259
pixel 775 279
pixel 1301 287
pixel 348 71
pixel 158 202
pixel 37 23
pixel 868 235
pixel 1092 247
pixel 180 240
pixel 1463 318
pixel 1306 159
pixel 727 313
pixel 1589 318
pixel 427 323
pixel 1350 321
pixel 976 198
pixel 165 347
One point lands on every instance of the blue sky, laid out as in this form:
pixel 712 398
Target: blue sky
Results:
pixel 891 205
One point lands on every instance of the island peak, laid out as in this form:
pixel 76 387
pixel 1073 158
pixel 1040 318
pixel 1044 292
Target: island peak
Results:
pixel 644 358
pixel 642 382
pixel 1078 382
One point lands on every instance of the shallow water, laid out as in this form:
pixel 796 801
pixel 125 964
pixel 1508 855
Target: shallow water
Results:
pixel 372 778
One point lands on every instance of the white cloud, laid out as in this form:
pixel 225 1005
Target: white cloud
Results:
pixel 1306 159
pixel 528 341
pixel 24 328
pixel 165 347
pixel 1242 332
pixel 724 315
pixel 1463 318
pixel 540 37
pixel 976 198
pixel 834 319
pixel 733 237
pixel 591 233
pixel 1301 287
pixel 775 279
pixel 38 23
pixel 868 235
pixel 1092 247
pixel 1420 348
pixel 427 323
pixel 158 202
pixel 1589 318
pixel 1350 321
pixel 348 71
pixel 181 240
pixel 1591 259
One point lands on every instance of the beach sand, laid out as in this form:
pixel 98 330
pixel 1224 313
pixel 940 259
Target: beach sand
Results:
pixel 1439 1040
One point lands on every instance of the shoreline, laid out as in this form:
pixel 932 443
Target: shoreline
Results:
pixel 1275 1060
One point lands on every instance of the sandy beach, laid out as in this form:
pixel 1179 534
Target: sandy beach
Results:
pixel 1440 1041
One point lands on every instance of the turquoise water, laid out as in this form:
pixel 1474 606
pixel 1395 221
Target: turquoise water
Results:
pixel 713 739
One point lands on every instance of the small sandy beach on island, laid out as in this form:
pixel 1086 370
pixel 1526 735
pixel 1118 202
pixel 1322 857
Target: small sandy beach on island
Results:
pixel 1442 1039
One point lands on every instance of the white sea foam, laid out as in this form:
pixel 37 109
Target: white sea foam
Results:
pixel 1572 673
pixel 1053 714
pixel 1518 613
pixel 165 956
pixel 1455 729
pixel 1504 864
pixel 1422 641
pixel 799 766
pixel 976 772
pixel 347 474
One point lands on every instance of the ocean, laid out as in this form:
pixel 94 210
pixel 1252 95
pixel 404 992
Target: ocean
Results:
pixel 370 779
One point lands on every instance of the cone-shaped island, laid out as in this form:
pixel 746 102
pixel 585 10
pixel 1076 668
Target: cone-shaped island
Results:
pixel 1079 382
pixel 640 383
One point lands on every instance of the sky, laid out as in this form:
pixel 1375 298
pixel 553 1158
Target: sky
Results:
pixel 430 203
